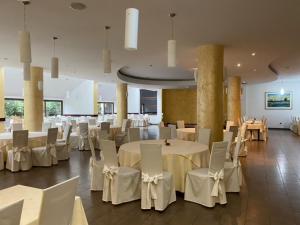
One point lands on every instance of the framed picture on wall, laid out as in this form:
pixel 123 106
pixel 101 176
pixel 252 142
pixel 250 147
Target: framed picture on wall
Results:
pixel 277 100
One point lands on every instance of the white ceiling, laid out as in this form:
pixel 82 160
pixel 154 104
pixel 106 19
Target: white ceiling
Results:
pixel 269 27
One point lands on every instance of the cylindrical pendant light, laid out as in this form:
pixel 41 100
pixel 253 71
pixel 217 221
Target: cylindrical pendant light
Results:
pixel 131 29
pixel 106 57
pixel 172 44
pixel 54 62
pixel 25 47
pixel 26 72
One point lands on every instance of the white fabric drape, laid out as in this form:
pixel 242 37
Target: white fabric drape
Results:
pixel 152 182
pixel 217 188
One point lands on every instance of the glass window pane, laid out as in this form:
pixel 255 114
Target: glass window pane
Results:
pixel 53 108
pixel 14 107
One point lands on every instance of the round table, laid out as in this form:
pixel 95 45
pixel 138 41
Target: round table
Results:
pixel 178 158
pixel 186 134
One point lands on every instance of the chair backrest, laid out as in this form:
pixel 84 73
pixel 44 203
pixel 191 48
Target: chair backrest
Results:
pixel 11 214
pixel 84 129
pixel 151 159
pixel 92 122
pixel 243 130
pixel 237 147
pixel 164 133
pixel 73 123
pixel 228 138
pixel 67 133
pixel 92 148
pixel 134 134
pixel 234 130
pixel 17 126
pixel 111 121
pixel 161 124
pixel 58 203
pixel 229 124
pixel 204 135
pixel 109 153
pixel 52 135
pixel 105 126
pixel 20 138
pixel 180 124
pixel 124 125
pixel 46 126
pixel 217 156
pixel 173 131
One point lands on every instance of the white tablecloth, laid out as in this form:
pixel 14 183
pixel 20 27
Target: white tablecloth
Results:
pixel 178 158
pixel 186 134
pixel 32 203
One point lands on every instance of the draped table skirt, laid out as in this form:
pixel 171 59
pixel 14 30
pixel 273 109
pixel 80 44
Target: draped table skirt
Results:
pixel 178 158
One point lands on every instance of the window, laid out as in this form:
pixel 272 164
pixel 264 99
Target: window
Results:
pixel 148 102
pixel 14 107
pixel 53 107
pixel 105 108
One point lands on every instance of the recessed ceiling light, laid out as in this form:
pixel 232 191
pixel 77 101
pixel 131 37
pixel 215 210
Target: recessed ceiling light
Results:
pixel 253 54
pixel 77 6
pixel 244 82
pixel 238 65
pixel 254 70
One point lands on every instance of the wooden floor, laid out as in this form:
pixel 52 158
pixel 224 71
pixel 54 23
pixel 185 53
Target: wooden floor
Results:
pixel 271 195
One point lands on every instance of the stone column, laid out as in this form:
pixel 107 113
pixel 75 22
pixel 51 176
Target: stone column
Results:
pixel 96 95
pixel 210 90
pixel 225 103
pixel 234 99
pixel 121 102
pixel 33 100
pixel 2 100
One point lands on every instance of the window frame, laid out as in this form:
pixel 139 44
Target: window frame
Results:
pixel 113 107
pixel 54 100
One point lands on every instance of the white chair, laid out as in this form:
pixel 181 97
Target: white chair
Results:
pixel 180 124
pixel 105 126
pixel 58 203
pixel 122 137
pixel 1 160
pixel 11 214
pixel 134 134
pixel 158 188
pixel 46 155
pixel 19 157
pixel 205 186
pixel 121 184
pixel 164 133
pixel 173 131
pixel 46 126
pixel 63 146
pixel 161 124
pixel 204 135
pixel 92 122
pixel 96 168
pixel 243 151
pixel 16 126
pixel 232 169
pixel 83 136
pixel 74 125
pixel 229 124
pixel 228 138
pixel 101 135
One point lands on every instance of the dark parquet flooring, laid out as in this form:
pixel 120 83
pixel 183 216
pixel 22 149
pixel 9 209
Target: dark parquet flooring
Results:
pixel 270 195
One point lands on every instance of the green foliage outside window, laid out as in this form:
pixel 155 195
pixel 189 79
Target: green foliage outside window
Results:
pixel 53 108
pixel 14 108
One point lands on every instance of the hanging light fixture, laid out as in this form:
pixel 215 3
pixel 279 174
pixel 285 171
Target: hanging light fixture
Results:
pixel 282 89
pixel 25 45
pixel 106 53
pixel 172 44
pixel 131 28
pixel 54 62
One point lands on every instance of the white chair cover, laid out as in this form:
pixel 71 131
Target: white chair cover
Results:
pixel 58 203
pixel 232 169
pixel 11 214
pixel 205 186
pixel 1 160
pixel 123 136
pixel 161 124
pixel 63 146
pixel 229 124
pixel 121 184
pixel 92 122
pixel 158 188
pixel 228 138
pixel 204 135
pixel 19 157
pixel 180 124
pixel 243 151
pixel 134 134
pixel 74 125
pixel 96 168
pixel 83 136
pixel 164 133
pixel 16 126
pixel 46 155
pixel 105 126
pixel 173 131
pixel 46 126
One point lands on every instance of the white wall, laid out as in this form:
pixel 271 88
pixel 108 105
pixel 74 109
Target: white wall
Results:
pixel 255 102
pixel 107 93
pixel 133 100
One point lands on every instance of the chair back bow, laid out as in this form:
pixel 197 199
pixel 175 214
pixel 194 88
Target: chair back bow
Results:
pixel 19 153
pixel 151 187
pixel 110 171
pixel 52 149
pixel 217 188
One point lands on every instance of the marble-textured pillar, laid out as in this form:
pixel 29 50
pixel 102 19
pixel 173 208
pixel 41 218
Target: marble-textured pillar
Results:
pixel 2 99
pixel 210 90
pixel 121 102
pixel 96 95
pixel 33 100
pixel 225 102
pixel 234 99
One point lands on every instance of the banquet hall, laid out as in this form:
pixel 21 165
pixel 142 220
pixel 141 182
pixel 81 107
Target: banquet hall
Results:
pixel 149 112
